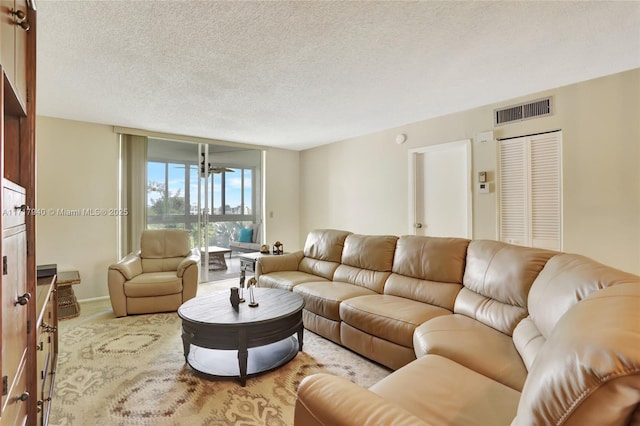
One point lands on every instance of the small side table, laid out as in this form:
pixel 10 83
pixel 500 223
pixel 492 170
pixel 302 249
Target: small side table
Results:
pixel 248 261
pixel 68 306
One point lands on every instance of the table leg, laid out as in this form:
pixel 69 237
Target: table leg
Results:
pixel 243 355
pixel 217 260
pixel 300 337
pixel 186 346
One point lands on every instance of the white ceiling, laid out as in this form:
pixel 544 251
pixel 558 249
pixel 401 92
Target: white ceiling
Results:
pixel 301 74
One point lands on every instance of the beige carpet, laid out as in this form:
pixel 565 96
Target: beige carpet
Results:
pixel 131 371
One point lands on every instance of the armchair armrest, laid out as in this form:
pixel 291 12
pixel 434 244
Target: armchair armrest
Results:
pixel 125 269
pixel 325 400
pixel 282 262
pixel 129 266
pixel 192 259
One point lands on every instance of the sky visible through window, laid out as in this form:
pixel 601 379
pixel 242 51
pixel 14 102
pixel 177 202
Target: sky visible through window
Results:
pixel 176 186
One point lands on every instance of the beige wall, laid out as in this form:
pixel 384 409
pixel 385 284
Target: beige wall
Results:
pixel 282 203
pixel 77 168
pixel 361 184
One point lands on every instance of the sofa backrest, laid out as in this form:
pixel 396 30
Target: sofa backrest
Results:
pixel 366 260
pixel 428 269
pixel 497 279
pixel 563 282
pixel 588 371
pixel 163 249
pixel 323 252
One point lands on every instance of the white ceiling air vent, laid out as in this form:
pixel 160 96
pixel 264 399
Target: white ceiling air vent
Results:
pixel 521 112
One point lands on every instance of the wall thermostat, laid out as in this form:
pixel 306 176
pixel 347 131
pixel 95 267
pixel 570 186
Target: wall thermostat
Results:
pixel 483 188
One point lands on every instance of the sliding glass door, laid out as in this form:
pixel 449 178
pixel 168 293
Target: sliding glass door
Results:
pixel 206 189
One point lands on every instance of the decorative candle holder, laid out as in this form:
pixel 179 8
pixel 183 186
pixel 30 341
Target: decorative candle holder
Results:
pixel 278 248
pixel 241 289
pixel 235 298
pixel 252 299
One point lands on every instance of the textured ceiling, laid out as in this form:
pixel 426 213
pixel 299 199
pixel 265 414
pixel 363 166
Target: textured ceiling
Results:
pixel 300 74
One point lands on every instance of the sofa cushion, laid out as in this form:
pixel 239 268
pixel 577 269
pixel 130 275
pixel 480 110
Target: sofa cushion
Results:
pixel 445 393
pixel 245 247
pixel 474 345
pixel 255 235
pixel 246 235
pixel 588 371
pixel 372 280
pixel 324 298
pixel 432 292
pixel 153 284
pixel 389 317
pixel 565 280
pixel 431 258
pixel 325 244
pixel 324 399
pixel 287 280
pixel 373 252
pixel 497 279
pixel 321 268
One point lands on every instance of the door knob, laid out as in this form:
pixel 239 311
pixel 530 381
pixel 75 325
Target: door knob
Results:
pixel 23 300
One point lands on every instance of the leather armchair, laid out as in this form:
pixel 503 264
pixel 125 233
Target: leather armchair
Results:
pixel 159 278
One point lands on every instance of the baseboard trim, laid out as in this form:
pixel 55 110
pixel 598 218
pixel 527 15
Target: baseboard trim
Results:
pixel 93 299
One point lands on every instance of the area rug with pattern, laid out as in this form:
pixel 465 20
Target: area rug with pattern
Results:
pixel 131 371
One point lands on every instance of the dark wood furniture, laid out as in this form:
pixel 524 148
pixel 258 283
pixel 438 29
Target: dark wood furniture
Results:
pixel 219 341
pixel 21 302
pixel 46 344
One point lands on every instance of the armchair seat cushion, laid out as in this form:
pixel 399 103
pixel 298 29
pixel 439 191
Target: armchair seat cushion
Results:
pixel 391 318
pixel 153 284
pixel 324 298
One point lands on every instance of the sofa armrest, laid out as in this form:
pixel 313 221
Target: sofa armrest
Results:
pixel 129 266
pixel 326 400
pixel 281 262
pixel 192 259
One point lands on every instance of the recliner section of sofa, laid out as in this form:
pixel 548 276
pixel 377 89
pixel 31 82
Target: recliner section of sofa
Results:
pixel 465 324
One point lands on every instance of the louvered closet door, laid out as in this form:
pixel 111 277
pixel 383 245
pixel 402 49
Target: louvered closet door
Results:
pixel 531 191
pixel 514 200
pixel 546 213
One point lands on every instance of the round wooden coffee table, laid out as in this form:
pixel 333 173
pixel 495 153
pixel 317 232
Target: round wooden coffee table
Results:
pixel 263 337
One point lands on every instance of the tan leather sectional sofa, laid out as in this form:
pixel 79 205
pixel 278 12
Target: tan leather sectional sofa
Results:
pixel 478 332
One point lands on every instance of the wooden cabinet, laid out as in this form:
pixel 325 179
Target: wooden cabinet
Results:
pixel 15 305
pixel 46 344
pixel 25 307
pixel 14 26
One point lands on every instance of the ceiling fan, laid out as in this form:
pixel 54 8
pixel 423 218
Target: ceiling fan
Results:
pixel 217 170
pixel 211 169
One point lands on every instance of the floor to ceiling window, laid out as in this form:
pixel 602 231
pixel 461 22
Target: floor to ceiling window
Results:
pixel 179 197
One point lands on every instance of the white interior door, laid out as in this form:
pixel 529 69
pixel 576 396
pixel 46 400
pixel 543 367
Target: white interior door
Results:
pixel 440 180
